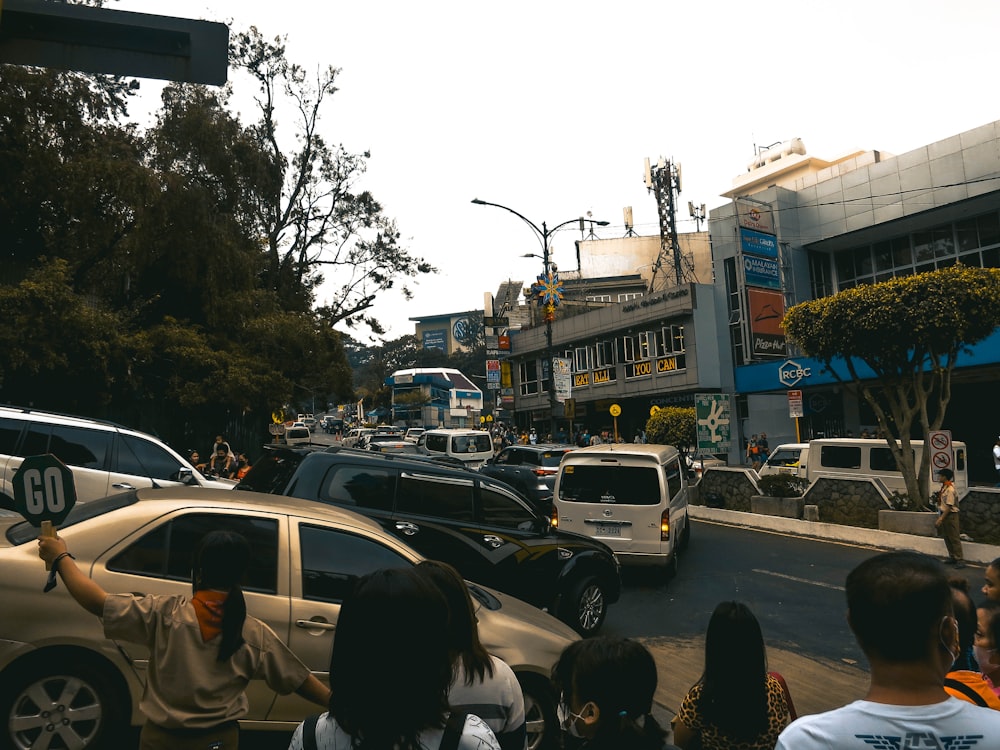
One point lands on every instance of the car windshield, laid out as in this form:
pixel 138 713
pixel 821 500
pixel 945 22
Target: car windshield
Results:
pixel 784 457
pixel 271 472
pixel 23 532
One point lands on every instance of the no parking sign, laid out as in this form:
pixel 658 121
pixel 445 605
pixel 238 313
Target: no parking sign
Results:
pixel 942 455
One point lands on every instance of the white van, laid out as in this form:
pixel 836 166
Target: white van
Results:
pixel 853 458
pixel 472 447
pixel 297 436
pixel 633 497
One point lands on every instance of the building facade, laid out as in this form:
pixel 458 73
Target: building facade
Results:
pixel 434 397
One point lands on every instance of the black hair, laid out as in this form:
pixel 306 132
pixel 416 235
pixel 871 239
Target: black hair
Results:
pixel 220 563
pixel 946 473
pixel 992 608
pixel 390 668
pixel 734 683
pixel 619 676
pixel 965 615
pixel 463 633
pixel 895 602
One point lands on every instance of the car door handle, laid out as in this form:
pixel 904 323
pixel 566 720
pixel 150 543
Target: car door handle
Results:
pixel 407 528
pixel 123 486
pixel 492 540
pixel 315 625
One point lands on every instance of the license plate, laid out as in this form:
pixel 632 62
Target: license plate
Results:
pixel 603 530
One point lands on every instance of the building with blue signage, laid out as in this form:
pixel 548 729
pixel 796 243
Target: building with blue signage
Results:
pixel 799 228
pixel 434 397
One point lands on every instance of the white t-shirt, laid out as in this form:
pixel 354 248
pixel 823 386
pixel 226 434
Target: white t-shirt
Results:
pixel 329 736
pixel 996 457
pixel 865 725
pixel 497 700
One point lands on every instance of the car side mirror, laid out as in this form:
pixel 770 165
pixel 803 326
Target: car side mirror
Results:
pixel 186 476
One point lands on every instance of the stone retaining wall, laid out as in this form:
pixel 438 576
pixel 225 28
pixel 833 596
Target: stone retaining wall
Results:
pixel 843 501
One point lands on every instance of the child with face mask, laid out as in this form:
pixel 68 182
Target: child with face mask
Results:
pixel 987 640
pixel 605 687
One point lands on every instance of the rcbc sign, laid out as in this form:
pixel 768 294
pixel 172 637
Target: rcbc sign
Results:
pixel 792 372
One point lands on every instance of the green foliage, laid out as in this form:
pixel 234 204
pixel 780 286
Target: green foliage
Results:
pixel 672 425
pixel 909 331
pixel 782 485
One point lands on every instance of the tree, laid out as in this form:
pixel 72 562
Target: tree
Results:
pixel 909 331
pixel 672 425
pixel 313 219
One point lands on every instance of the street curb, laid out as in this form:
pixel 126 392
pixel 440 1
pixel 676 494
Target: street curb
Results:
pixel 982 554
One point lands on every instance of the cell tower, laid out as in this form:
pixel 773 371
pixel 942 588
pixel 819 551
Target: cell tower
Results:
pixel 664 180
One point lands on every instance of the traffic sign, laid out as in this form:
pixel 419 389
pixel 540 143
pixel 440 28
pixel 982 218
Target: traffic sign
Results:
pixel 795 404
pixel 712 411
pixel 615 410
pixel 44 490
pixel 942 455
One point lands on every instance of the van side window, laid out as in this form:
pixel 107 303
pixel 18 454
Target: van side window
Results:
pixel 673 474
pixel 960 459
pixel 882 460
pixel 840 456
pixel 142 458
pixel 78 446
pixel 363 486
pixel 437 443
pixel 10 431
pixel 430 496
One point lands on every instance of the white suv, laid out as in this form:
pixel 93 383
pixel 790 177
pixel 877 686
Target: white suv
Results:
pixel 105 458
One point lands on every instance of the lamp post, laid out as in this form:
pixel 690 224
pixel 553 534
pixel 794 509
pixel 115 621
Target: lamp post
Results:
pixel 543 234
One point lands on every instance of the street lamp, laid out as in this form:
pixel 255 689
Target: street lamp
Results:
pixel 545 295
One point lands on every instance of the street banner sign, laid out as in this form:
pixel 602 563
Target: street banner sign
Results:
pixel 712 415
pixel 795 404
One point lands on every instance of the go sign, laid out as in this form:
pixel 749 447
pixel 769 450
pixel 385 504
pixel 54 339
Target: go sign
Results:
pixel 44 490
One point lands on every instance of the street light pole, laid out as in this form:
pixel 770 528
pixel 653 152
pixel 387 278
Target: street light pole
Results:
pixel 543 235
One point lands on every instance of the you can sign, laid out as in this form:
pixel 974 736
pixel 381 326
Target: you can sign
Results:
pixel 44 490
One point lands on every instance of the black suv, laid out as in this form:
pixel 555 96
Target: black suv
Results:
pixel 530 469
pixel 482 527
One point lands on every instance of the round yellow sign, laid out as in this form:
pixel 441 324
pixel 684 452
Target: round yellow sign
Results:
pixel 615 410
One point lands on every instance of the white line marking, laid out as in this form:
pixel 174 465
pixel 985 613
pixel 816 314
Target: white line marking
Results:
pixel 799 580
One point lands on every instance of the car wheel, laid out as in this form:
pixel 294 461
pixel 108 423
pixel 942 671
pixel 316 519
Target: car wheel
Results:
pixel 540 721
pixel 66 704
pixel 586 606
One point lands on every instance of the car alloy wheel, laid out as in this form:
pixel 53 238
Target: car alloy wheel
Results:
pixel 587 606
pixel 540 721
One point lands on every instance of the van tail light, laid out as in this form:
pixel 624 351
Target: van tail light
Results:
pixel 554 518
pixel 665 526
pixel 542 471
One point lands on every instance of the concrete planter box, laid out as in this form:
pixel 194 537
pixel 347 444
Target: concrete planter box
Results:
pixel 786 507
pixel 920 523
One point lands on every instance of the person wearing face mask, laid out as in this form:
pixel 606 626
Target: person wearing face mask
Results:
pixel 965 681
pixel 987 641
pixel 899 607
pixel 605 687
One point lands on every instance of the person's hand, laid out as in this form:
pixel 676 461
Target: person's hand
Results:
pixel 50 547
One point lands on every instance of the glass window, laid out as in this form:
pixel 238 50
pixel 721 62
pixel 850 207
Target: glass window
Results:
pixel 629 296
pixel 10 431
pixel 435 496
pixel 581 359
pixel 139 457
pixel 968 235
pixel 79 446
pixel 333 560
pixel 504 511
pixel 604 352
pixel 673 472
pixel 845 265
pixel 989 229
pixel 167 551
pixel 528 377
pixel 881 459
pixel 840 457
pixel 863 261
pixel 36 439
pixel 622 485
pixel 882 252
pixel 629 349
pixel 362 486
pixel 645 350
pixel 902 253
pixel 478 443
pixel 923 246
pixel 437 443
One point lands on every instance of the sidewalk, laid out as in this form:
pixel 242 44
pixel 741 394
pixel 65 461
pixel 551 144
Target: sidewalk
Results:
pixel 816 684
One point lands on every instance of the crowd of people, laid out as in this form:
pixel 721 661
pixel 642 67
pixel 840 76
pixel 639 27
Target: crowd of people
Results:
pixel 220 461
pixel 408 670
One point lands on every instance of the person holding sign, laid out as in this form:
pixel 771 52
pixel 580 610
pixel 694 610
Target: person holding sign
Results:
pixel 203 649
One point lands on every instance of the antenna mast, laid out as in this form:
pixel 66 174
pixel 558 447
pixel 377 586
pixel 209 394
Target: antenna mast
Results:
pixel 664 180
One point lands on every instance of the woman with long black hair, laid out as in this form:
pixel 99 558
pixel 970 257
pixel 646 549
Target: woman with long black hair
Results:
pixel 736 703
pixel 204 649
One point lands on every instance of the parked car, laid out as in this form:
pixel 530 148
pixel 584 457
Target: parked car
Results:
pixel 63 684
pixel 698 462
pixel 395 446
pixel 105 458
pixel 530 469
pixel 633 497
pixel 484 528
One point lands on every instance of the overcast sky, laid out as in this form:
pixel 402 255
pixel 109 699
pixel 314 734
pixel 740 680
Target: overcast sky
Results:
pixel 549 107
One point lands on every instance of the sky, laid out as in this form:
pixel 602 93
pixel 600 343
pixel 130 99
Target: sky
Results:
pixel 550 107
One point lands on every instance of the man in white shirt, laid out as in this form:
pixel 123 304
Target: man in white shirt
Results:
pixel 996 460
pixel 899 607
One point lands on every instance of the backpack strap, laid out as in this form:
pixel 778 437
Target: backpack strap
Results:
pixel 965 690
pixel 453 728
pixel 309 732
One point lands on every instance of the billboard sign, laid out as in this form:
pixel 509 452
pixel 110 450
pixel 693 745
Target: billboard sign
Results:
pixel 758 243
pixel 436 339
pixel 762 272
pixel 713 422
pixel 766 311
pixel 755 216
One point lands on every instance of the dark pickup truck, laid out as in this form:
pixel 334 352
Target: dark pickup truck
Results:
pixel 481 526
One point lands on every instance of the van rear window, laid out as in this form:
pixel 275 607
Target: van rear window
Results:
pixel 620 485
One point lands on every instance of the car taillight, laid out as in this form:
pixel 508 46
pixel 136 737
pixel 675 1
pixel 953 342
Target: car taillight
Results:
pixel 541 471
pixel 665 526
pixel 554 518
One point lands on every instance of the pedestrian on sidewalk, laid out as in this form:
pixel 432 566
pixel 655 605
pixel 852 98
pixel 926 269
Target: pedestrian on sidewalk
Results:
pixel 899 607
pixel 947 522
pixel 204 649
